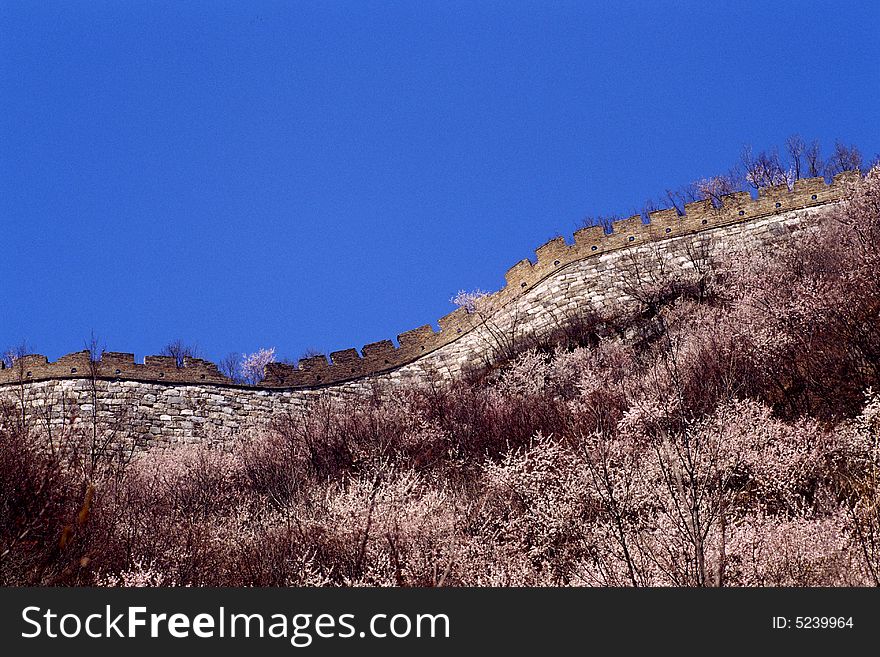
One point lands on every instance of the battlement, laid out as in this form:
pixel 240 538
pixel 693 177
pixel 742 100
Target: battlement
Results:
pixel 384 356
pixel 111 365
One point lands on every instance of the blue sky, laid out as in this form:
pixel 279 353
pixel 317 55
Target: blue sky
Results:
pixel 327 174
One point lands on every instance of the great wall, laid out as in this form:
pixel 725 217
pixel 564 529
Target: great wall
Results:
pixel 156 402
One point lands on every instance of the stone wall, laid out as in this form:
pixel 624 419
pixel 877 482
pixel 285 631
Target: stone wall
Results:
pixel 156 402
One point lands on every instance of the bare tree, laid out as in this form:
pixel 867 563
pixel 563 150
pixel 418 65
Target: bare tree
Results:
pixel 606 221
pixel 844 158
pixel 712 188
pixel 764 169
pixel 796 148
pixel 230 366
pixel 678 198
pixel 715 187
pixel 813 157
pixel 94 347
pixel 12 359
pixel 98 441
pixel 179 351
pixel 11 356
pixel 110 425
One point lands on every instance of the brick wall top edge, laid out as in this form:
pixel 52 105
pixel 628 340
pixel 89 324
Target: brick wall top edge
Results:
pixel 383 356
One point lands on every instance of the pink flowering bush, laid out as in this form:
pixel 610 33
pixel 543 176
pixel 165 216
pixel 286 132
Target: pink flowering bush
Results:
pixel 253 366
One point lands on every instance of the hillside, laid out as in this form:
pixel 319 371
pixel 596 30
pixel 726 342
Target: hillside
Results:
pixel 719 427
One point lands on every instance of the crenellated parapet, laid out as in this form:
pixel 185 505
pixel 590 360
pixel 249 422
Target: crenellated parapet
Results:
pixel 384 356
pixel 112 365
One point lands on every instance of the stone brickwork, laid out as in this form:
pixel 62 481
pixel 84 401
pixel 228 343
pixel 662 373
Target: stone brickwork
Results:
pixel 158 402
pixel 154 414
